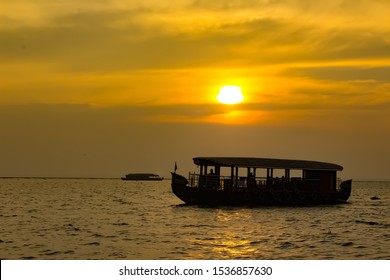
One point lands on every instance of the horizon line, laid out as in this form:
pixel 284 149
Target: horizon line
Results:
pixel 111 178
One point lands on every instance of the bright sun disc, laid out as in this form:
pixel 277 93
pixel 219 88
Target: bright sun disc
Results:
pixel 230 95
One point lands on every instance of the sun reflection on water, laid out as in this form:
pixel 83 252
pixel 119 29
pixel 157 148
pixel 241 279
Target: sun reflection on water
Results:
pixel 233 242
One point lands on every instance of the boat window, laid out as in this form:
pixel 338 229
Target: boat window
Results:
pixel 261 173
pixel 279 173
pixel 242 172
pixel 295 173
pixel 225 171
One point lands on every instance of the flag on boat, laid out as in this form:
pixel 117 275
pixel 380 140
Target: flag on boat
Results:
pixel 175 167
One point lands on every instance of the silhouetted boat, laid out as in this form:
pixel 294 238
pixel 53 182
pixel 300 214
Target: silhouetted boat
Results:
pixel 142 177
pixel 237 181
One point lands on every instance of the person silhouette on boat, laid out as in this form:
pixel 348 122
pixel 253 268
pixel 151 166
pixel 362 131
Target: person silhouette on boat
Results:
pixel 212 179
pixel 251 181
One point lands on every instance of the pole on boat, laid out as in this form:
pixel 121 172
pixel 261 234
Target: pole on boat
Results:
pixel 236 185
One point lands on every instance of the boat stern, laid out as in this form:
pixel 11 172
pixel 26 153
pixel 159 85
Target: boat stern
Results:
pixel 345 190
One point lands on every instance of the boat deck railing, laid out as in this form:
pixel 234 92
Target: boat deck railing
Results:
pixel 214 181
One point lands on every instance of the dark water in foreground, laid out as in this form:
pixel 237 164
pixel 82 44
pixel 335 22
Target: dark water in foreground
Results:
pixel 114 219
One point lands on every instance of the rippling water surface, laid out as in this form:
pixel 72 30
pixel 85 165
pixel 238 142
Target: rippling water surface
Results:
pixel 115 219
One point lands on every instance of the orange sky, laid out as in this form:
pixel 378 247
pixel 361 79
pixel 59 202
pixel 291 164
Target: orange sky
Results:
pixel 111 86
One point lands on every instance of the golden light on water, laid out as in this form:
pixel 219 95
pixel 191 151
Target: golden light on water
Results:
pixel 230 242
pixel 230 95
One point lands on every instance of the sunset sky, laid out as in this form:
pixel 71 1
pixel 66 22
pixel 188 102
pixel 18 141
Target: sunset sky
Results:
pixel 106 87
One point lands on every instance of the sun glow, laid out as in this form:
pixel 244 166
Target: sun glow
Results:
pixel 230 95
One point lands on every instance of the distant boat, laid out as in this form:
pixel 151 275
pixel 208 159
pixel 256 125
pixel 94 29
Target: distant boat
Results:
pixel 313 182
pixel 142 177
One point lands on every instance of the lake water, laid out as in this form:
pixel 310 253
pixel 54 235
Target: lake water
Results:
pixel 114 219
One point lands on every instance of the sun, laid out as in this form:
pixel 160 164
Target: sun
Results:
pixel 230 95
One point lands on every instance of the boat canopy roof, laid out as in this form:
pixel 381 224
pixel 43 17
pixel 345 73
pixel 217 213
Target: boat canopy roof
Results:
pixel 266 163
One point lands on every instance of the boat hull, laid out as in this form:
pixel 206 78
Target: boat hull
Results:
pixel 254 197
pixel 146 179
pixel 142 177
